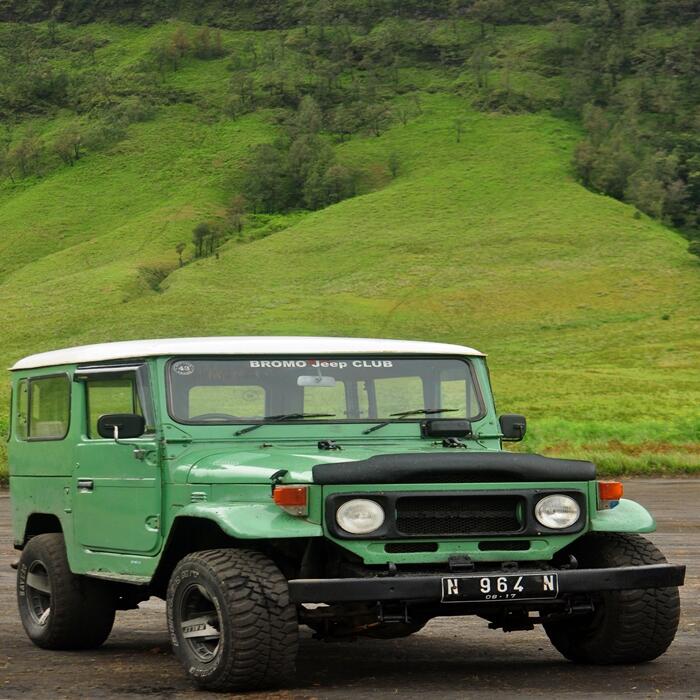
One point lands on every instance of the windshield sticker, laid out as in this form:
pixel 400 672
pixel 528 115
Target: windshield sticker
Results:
pixel 183 368
pixel 317 364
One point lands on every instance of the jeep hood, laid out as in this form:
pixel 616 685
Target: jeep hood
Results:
pixel 393 464
pixel 257 465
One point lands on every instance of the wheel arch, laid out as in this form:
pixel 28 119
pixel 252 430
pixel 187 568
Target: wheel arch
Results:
pixel 40 524
pixel 191 533
pixel 627 516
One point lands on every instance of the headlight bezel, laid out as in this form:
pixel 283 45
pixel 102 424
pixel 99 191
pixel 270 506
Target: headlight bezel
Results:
pixel 371 503
pixel 547 522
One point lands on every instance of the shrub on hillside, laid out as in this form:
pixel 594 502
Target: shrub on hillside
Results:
pixel 207 46
pixel 68 144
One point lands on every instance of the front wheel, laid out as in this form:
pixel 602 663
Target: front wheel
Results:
pixel 231 623
pixel 627 626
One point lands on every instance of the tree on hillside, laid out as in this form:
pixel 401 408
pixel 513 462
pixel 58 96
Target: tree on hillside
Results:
pixel 235 212
pixel 180 249
pixel 308 118
pixel 68 144
pixel 5 162
pixel 200 234
pixel 207 47
pixel 486 12
pixel 377 117
pixel 179 46
pixel 267 182
pixel 25 157
pixel 394 163
pixel 480 66
pixel 345 121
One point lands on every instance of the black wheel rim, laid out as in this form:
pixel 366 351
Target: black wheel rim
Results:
pixel 200 624
pixel 38 593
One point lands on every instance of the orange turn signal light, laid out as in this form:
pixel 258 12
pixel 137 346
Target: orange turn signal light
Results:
pixel 609 490
pixel 293 499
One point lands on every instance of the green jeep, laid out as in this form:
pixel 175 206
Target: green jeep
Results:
pixel 355 486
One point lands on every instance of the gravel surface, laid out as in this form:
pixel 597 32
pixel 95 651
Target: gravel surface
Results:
pixel 450 658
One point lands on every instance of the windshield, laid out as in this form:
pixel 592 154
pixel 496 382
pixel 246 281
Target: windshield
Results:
pixel 272 389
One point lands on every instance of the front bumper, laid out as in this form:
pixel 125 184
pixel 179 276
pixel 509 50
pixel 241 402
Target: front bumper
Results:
pixel 428 587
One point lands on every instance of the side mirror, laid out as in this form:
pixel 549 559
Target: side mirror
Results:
pixel 513 426
pixel 121 425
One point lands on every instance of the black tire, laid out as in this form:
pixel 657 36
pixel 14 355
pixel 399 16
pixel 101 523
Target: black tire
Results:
pixel 241 599
pixel 58 609
pixel 627 626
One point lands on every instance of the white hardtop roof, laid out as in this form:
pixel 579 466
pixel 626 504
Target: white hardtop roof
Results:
pixel 237 345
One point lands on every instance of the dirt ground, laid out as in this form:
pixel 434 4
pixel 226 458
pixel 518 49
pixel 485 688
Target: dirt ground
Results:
pixel 450 658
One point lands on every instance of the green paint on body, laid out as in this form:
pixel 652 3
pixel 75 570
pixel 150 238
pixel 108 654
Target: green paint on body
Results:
pixel 118 503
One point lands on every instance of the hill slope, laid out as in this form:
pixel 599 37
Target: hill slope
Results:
pixel 589 312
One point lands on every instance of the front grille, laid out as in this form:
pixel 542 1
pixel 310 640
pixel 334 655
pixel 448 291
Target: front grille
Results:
pixel 458 515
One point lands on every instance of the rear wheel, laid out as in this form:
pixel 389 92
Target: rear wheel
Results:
pixel 627 626
pixel 231 623
pixel 58 609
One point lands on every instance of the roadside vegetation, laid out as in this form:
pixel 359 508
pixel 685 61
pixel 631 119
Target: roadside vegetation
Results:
pixel 418 170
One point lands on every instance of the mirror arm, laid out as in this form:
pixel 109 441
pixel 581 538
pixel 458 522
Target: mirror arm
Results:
pixel 139 453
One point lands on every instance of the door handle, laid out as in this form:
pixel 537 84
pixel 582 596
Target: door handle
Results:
pixel 85 485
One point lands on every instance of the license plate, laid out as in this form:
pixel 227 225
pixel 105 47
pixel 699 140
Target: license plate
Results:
pixel 473 589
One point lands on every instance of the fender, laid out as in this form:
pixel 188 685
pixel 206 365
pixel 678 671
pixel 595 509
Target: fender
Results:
pixel 627 516
pixel 250 520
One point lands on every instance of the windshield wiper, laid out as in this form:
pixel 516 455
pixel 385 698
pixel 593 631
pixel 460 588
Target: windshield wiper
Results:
pixel 283 416
pixel 404 414
pixel 423 412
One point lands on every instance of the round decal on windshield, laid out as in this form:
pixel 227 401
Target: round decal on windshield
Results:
pixel 183 368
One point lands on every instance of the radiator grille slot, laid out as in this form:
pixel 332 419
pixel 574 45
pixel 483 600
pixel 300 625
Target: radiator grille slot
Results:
pixel 458 515
pixel 410 547
pixel 509 546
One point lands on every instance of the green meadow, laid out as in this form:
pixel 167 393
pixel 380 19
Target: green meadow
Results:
pixel 589 311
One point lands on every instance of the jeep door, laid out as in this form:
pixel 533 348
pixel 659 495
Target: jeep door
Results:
pixel 117 484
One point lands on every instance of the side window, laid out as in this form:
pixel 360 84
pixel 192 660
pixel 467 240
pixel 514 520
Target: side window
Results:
pixel 21 419
pixel 49 408
pixel 104 396
pixel 110 396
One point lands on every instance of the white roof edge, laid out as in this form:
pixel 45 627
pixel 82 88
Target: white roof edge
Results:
pixel 237 345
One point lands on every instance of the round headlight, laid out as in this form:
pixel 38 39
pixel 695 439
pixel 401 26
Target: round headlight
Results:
pixel 557 511
pixel 360 516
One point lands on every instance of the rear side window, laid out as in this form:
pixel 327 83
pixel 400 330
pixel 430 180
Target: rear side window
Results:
pixel 43 408
pixel 118 395
pixel 21 420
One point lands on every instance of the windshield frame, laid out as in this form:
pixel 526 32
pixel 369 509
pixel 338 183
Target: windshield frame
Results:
pixel 483 410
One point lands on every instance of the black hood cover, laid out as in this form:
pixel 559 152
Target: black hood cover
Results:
pixel 455 467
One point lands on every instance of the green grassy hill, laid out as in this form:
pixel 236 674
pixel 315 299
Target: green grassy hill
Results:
pixel 588 310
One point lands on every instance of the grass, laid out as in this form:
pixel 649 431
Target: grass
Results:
pixel 589 314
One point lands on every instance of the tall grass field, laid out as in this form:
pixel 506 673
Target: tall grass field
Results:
pixel 588 310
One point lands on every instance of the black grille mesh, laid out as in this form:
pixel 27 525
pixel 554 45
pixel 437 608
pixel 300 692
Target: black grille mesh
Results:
pixel 457 515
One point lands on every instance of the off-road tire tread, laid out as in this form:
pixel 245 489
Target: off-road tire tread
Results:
pixel 265 628
pixel 82 613
pixel 641 624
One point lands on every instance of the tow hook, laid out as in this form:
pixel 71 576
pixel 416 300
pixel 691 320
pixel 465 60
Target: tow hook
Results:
pixel 460 562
